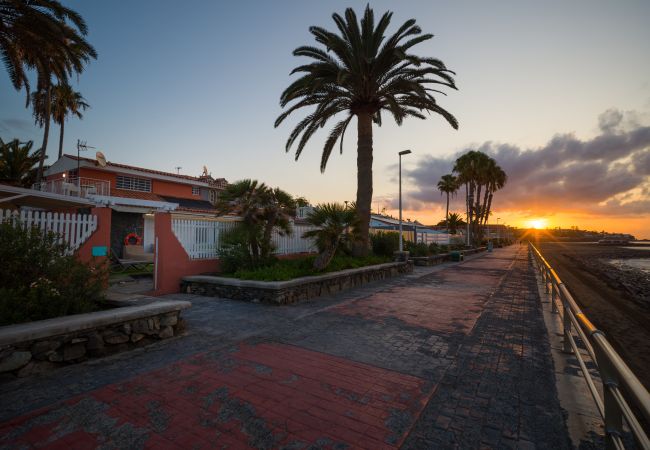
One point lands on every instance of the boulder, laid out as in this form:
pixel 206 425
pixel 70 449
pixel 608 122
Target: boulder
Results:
pixel 115 337
pixel 73 351
pixel 166 332
pixel 15 360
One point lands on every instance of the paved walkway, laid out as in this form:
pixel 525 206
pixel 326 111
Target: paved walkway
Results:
pixel 451 356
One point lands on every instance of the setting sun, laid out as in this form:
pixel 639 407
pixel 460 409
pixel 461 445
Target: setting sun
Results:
pixel 538 224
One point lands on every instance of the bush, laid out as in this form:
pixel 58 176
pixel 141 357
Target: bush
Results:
pixel 235 254
pixel 434 248
pixel 287 269
pixel 419 249
pixel 384 244
pixel 39 281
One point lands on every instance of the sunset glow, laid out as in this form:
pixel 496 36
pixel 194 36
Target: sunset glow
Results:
pixel 538 224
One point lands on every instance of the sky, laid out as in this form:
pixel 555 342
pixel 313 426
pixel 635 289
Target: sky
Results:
pixel 557 92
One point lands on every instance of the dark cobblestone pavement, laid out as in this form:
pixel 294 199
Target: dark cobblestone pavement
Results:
pixel 454 356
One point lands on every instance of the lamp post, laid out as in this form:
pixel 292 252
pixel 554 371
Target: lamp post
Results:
pixel 401 243
pixel 498 218
pixel 470 200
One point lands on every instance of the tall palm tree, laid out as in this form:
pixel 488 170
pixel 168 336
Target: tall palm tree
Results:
pixel 335 223
pixel 479 171
pixel 17 163
pixel 66 101
pixel 448 184
pixel 359 72
pixel 29 31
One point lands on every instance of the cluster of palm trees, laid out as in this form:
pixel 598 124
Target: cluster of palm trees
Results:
pixel 48 39
pixel 360 72
pixel 17 163
pixel 482 177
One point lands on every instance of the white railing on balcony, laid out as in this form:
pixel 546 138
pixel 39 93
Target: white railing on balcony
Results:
pixel 73 229
pixel 202 239
pixel 75 187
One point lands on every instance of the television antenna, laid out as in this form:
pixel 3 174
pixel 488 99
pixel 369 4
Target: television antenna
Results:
pixel 178 170
pixel 82 146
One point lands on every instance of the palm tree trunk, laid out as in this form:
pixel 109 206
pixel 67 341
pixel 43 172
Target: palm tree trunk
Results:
pixel 447 214
pixel 323 259
pixel 364 181
pixel 486 209
pixel 61 140
pixel 46 131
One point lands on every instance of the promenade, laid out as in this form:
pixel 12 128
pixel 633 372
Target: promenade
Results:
pixel 452 356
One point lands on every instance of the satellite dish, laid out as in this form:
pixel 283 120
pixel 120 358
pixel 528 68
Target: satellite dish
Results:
pixel 101 159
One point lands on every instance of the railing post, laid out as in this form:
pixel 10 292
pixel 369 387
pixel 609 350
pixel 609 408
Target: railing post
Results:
pixel 547 277
pixel 566 327
pixel 553 294
pixel 613 413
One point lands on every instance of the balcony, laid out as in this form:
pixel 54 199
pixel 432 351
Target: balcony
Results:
pixel 75 187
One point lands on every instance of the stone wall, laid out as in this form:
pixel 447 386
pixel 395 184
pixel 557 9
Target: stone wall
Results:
pixel 287 292
pixel 27 350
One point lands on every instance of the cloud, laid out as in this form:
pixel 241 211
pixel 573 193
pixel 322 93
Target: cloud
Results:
pixel 607 174
pixel 12 125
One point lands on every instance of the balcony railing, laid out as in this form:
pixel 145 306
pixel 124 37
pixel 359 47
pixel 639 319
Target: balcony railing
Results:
pixel 75 187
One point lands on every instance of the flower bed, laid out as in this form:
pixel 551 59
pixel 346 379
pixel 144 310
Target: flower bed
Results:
pixel 291 291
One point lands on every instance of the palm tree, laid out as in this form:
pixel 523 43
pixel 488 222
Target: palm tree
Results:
pixel 66 101
pixel 17 163
pixel 279 208
pixel 454 222
pixel 448 185
pixel 359 72
pixel 29 31
pixel 479 171
pixel 335 224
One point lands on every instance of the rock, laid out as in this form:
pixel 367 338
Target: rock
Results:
pixel 73 351
pixel 15 360
pixel 41 349
pixel 166 332
pixel 147 326
pixel 95 342
pixel 115 337
pixel 79 340
pixel 54 356
pixel 36 368
pixel 126 328
pixel 135 337
pixel 169 320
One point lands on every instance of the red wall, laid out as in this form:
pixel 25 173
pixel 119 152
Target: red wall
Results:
pixel 172 262
pixel 101 236
pixel 173 189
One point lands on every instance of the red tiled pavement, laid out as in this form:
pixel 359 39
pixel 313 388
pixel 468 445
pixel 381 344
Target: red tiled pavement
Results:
pixel 452 304
pixel 251 396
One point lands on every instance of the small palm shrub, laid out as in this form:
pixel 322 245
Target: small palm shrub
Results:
pixel 385 243
pixel 419 249
pixel 337 226
pixel 39 280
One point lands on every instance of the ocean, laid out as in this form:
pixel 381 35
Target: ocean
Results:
pixel 636 263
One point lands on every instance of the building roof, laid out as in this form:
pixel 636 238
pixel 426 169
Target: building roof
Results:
pixel 218 182
pixel 16 197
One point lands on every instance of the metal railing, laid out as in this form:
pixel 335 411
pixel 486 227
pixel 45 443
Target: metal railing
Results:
pixel 75 187
pixel 617 378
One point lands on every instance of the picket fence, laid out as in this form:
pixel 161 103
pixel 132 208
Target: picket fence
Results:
pixel 72 229
pixel 202 239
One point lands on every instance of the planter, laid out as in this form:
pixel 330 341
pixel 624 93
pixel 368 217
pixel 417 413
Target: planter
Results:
pixel 292 291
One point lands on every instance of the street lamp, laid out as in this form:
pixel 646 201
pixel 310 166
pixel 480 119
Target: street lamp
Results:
pixel 470 201
pixel 498 218
pixel 401 244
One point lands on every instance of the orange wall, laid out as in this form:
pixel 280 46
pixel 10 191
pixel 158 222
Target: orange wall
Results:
pixel 172 189
pixel 172 262
pixel 98 175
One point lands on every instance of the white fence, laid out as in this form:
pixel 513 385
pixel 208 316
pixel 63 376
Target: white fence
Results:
pixel 73 229
pixel 202 239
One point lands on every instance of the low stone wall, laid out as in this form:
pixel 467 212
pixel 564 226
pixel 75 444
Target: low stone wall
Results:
pixel 442 257
pixel 36 347
pixel 292 291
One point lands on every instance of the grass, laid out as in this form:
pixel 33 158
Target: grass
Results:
pixel 288 269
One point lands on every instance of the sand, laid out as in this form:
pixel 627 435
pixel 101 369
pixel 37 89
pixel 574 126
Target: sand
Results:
pixel 615 298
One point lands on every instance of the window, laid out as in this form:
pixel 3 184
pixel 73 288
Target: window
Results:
pixel 196 190
pixel 133 184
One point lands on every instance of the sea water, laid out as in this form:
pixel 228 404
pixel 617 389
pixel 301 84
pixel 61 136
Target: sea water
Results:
pixel 636 263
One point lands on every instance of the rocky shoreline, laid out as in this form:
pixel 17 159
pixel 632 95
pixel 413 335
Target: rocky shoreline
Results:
pixel 635 283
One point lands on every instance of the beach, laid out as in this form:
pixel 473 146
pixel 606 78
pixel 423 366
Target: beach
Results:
pixel 612 287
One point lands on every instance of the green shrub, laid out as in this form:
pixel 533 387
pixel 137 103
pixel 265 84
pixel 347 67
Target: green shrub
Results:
pixel 39 281
pixel 287 269
pixel 434 248
pixel 384 243
pixel 419 249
